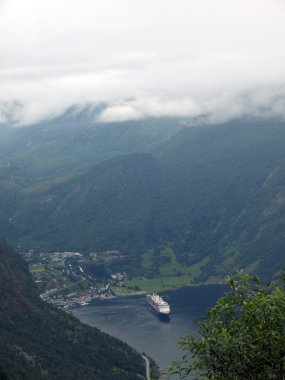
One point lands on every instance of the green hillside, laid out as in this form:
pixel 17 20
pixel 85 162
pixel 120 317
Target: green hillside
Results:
pixel 225 196
pixel 213 195
pixel 38 341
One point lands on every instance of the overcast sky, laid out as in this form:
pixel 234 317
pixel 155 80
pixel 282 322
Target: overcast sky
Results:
pixel 218 58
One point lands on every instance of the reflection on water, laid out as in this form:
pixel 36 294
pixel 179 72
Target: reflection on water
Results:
pixel 130 320
pixel 164 318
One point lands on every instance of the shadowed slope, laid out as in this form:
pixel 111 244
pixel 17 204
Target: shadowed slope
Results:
pixel 39 342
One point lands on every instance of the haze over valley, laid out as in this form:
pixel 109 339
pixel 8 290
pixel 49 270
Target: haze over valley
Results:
pixel 210 197
pixel 142 149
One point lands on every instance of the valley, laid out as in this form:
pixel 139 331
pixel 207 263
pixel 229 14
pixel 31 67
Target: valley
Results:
pixel 142 181
pixel 69 279
pixel 38 341
pixel 184 205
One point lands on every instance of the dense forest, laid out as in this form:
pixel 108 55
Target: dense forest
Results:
pixel 214 195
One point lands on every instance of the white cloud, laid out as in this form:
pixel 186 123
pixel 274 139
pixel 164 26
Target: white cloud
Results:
pixel 171 58
pixel 259 102
pixel 148 107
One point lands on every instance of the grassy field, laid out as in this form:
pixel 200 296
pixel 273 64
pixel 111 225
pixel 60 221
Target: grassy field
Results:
pixel 173 267
pixel 166 283
pixel 123 291
pixel 172 275
pixel 159 284
pixel 37 268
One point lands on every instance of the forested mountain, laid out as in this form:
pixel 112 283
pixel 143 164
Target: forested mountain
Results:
pixel 38 341
pixel 214 194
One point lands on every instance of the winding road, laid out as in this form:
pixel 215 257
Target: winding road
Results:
pixel 147 367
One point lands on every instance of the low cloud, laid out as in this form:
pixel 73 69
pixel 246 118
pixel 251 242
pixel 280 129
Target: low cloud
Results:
pixel 207 60
pixel 259 102
pixel 264 103
pixel 149 107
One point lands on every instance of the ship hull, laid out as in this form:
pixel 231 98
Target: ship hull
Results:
pixel 156 311
pixel 158 305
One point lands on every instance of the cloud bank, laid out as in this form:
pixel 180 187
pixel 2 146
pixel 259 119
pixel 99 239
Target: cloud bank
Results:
pixel 217 60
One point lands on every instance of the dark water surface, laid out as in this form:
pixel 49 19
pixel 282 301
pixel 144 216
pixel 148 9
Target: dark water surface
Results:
pixel 130 319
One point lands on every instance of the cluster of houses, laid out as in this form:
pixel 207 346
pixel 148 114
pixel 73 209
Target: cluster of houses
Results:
pixel 118 279
pixel 55 272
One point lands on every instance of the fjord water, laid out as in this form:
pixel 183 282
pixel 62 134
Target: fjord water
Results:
pixel 130 319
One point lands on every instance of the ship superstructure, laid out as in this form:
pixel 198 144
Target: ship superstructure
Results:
pixel 158 304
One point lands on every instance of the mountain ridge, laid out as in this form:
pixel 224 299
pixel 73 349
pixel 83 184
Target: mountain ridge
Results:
pixel 214 194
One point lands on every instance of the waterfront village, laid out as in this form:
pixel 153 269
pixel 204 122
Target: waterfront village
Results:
pixel 70 279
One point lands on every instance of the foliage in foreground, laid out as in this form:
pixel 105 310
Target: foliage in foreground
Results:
pixel 243 336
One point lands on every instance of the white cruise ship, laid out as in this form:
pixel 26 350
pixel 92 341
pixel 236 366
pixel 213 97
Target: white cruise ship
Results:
pixel 158 304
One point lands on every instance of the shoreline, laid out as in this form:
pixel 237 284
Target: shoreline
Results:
pixel 173 288
pixel 143 293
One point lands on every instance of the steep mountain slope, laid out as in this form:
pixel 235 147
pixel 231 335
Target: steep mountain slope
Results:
pixel 215 195
pixel 229 186
pixel 108 207
pixel 37 157
pixel 50 151
pixel 40 342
